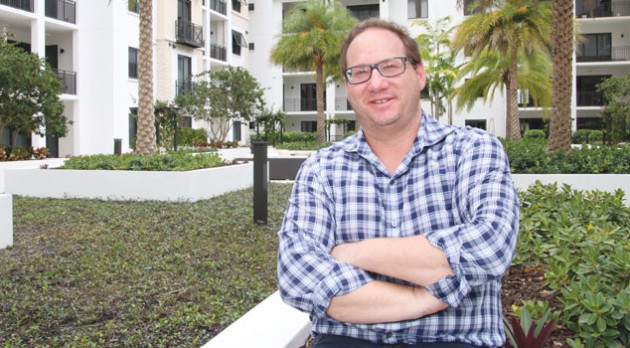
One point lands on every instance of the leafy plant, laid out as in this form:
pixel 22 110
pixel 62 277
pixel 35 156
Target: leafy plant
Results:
pixel 178 161
pixel 526 332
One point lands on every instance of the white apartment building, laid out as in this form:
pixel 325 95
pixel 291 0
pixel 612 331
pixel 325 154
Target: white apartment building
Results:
pixel 93 45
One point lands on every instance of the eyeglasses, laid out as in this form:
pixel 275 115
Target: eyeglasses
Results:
pixel 387 68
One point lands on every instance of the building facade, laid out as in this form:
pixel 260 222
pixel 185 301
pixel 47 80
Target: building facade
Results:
pixel 93 46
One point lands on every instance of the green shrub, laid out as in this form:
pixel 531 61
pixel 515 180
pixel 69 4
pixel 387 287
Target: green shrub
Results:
pixel 534 134
pixel 302 146
pixel 192 136
pixel 581 136
pixel 298 137
pixel 529 156
pixel 596 135
pixel 583 242
pixel 179 161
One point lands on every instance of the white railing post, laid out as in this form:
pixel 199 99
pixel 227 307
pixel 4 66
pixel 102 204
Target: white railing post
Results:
pixel 6 220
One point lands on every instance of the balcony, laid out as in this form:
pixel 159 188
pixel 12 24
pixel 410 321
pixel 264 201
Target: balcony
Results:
pixel 301 104
pixel 189 33
pixel 616 54
pixel 606 9
pixel 68 79
pixel 183 87
pixel 589 98
pixel 63 10
pixel 218 52
pixel 218 6
pixel 26 5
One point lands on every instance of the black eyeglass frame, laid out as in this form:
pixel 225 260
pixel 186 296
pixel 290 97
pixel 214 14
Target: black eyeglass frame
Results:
pixel 375 66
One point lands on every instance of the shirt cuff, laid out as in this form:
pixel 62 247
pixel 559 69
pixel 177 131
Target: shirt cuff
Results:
pixel 343 279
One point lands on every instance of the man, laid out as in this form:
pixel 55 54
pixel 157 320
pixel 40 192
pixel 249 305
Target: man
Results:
pixel 400 234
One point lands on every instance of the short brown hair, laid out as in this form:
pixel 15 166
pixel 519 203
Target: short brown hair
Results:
pixel 411 46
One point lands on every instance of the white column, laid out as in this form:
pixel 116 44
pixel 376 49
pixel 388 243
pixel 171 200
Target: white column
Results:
pixel 38 46
pixel 6 220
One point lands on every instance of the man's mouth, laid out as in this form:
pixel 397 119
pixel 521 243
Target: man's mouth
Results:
pixel 380 101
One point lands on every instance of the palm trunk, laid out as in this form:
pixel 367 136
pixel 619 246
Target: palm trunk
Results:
pixel 514 123
pixel 319 95
pixel 560 128
pixel 145 139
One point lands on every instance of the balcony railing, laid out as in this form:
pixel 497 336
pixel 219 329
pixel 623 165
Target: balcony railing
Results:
pixel 616 54
pixel 616 8
pixel 589 98
pixel 301 104
pixel 26 5
pixel 218 6
pixel 183 86
pixel 68 79
pixel 63 10
pixel 218 52
pixel 189 33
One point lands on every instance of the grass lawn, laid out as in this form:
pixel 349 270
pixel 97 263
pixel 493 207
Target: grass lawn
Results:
pixel 89 273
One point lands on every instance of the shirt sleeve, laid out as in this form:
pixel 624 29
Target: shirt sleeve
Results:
pixel 308 277
pixel 480 248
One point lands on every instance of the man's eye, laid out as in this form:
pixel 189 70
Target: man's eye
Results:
pixel 360 71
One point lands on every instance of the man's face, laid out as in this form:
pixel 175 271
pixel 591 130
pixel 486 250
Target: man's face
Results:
pixel 383 102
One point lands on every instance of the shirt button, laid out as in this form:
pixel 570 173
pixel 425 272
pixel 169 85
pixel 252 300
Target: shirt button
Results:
pixel 394 223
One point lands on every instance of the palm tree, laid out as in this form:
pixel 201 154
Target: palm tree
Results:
pixel 560 129
pixel 145 138
pixel 312 35
pixel 439 62
pixel 516 25
pixel 489 72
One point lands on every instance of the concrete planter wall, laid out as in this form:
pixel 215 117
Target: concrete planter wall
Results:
pixel 6 221
pixel 128 185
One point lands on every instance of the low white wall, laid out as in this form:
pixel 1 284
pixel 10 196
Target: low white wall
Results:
pixel 6 221
pixel 580 182
pixel 128 185
pixel 32 164
pixel 271 324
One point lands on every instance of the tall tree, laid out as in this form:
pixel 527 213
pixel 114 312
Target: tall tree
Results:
pixel 514 26
pixel 616 113
pixel 220 97
pixel 312 34
pixel 439 63
pixel 145 138
pixel 29 94
pixel 563 38
pixel 489 72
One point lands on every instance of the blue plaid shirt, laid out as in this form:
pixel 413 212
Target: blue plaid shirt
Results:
pixel 453 186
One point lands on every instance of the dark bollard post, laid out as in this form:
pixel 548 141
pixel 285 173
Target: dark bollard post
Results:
pixel 259 150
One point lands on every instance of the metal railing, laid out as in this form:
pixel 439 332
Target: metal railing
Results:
pixel 218 6
pixel 183 86
pixel 301 104
pixel 608 9
pixel 63 10
pixel 218 52
pixel 26 5
pixel 68 79
pixel 189 33
pixel 589 98
pixel 616 54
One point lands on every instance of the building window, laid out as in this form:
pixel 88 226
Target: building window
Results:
pixel 133 6
pixel 238 41
pixel 236 5
pixel 362 12
pixel 184 75
pixel 481 124
pixel 418 8
pixel 595 48
pixel 308 126
pixel 133 63
pixel 236 131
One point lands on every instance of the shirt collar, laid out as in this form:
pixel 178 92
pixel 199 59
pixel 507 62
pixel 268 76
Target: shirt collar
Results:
pixel 430 133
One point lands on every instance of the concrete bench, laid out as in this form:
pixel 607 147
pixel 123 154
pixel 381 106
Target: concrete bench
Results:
pixel 6 220
pixel 271 324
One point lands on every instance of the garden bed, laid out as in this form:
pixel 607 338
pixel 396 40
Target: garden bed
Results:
pixel 190 186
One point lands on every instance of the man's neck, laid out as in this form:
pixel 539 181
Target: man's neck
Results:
pixel 392 145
